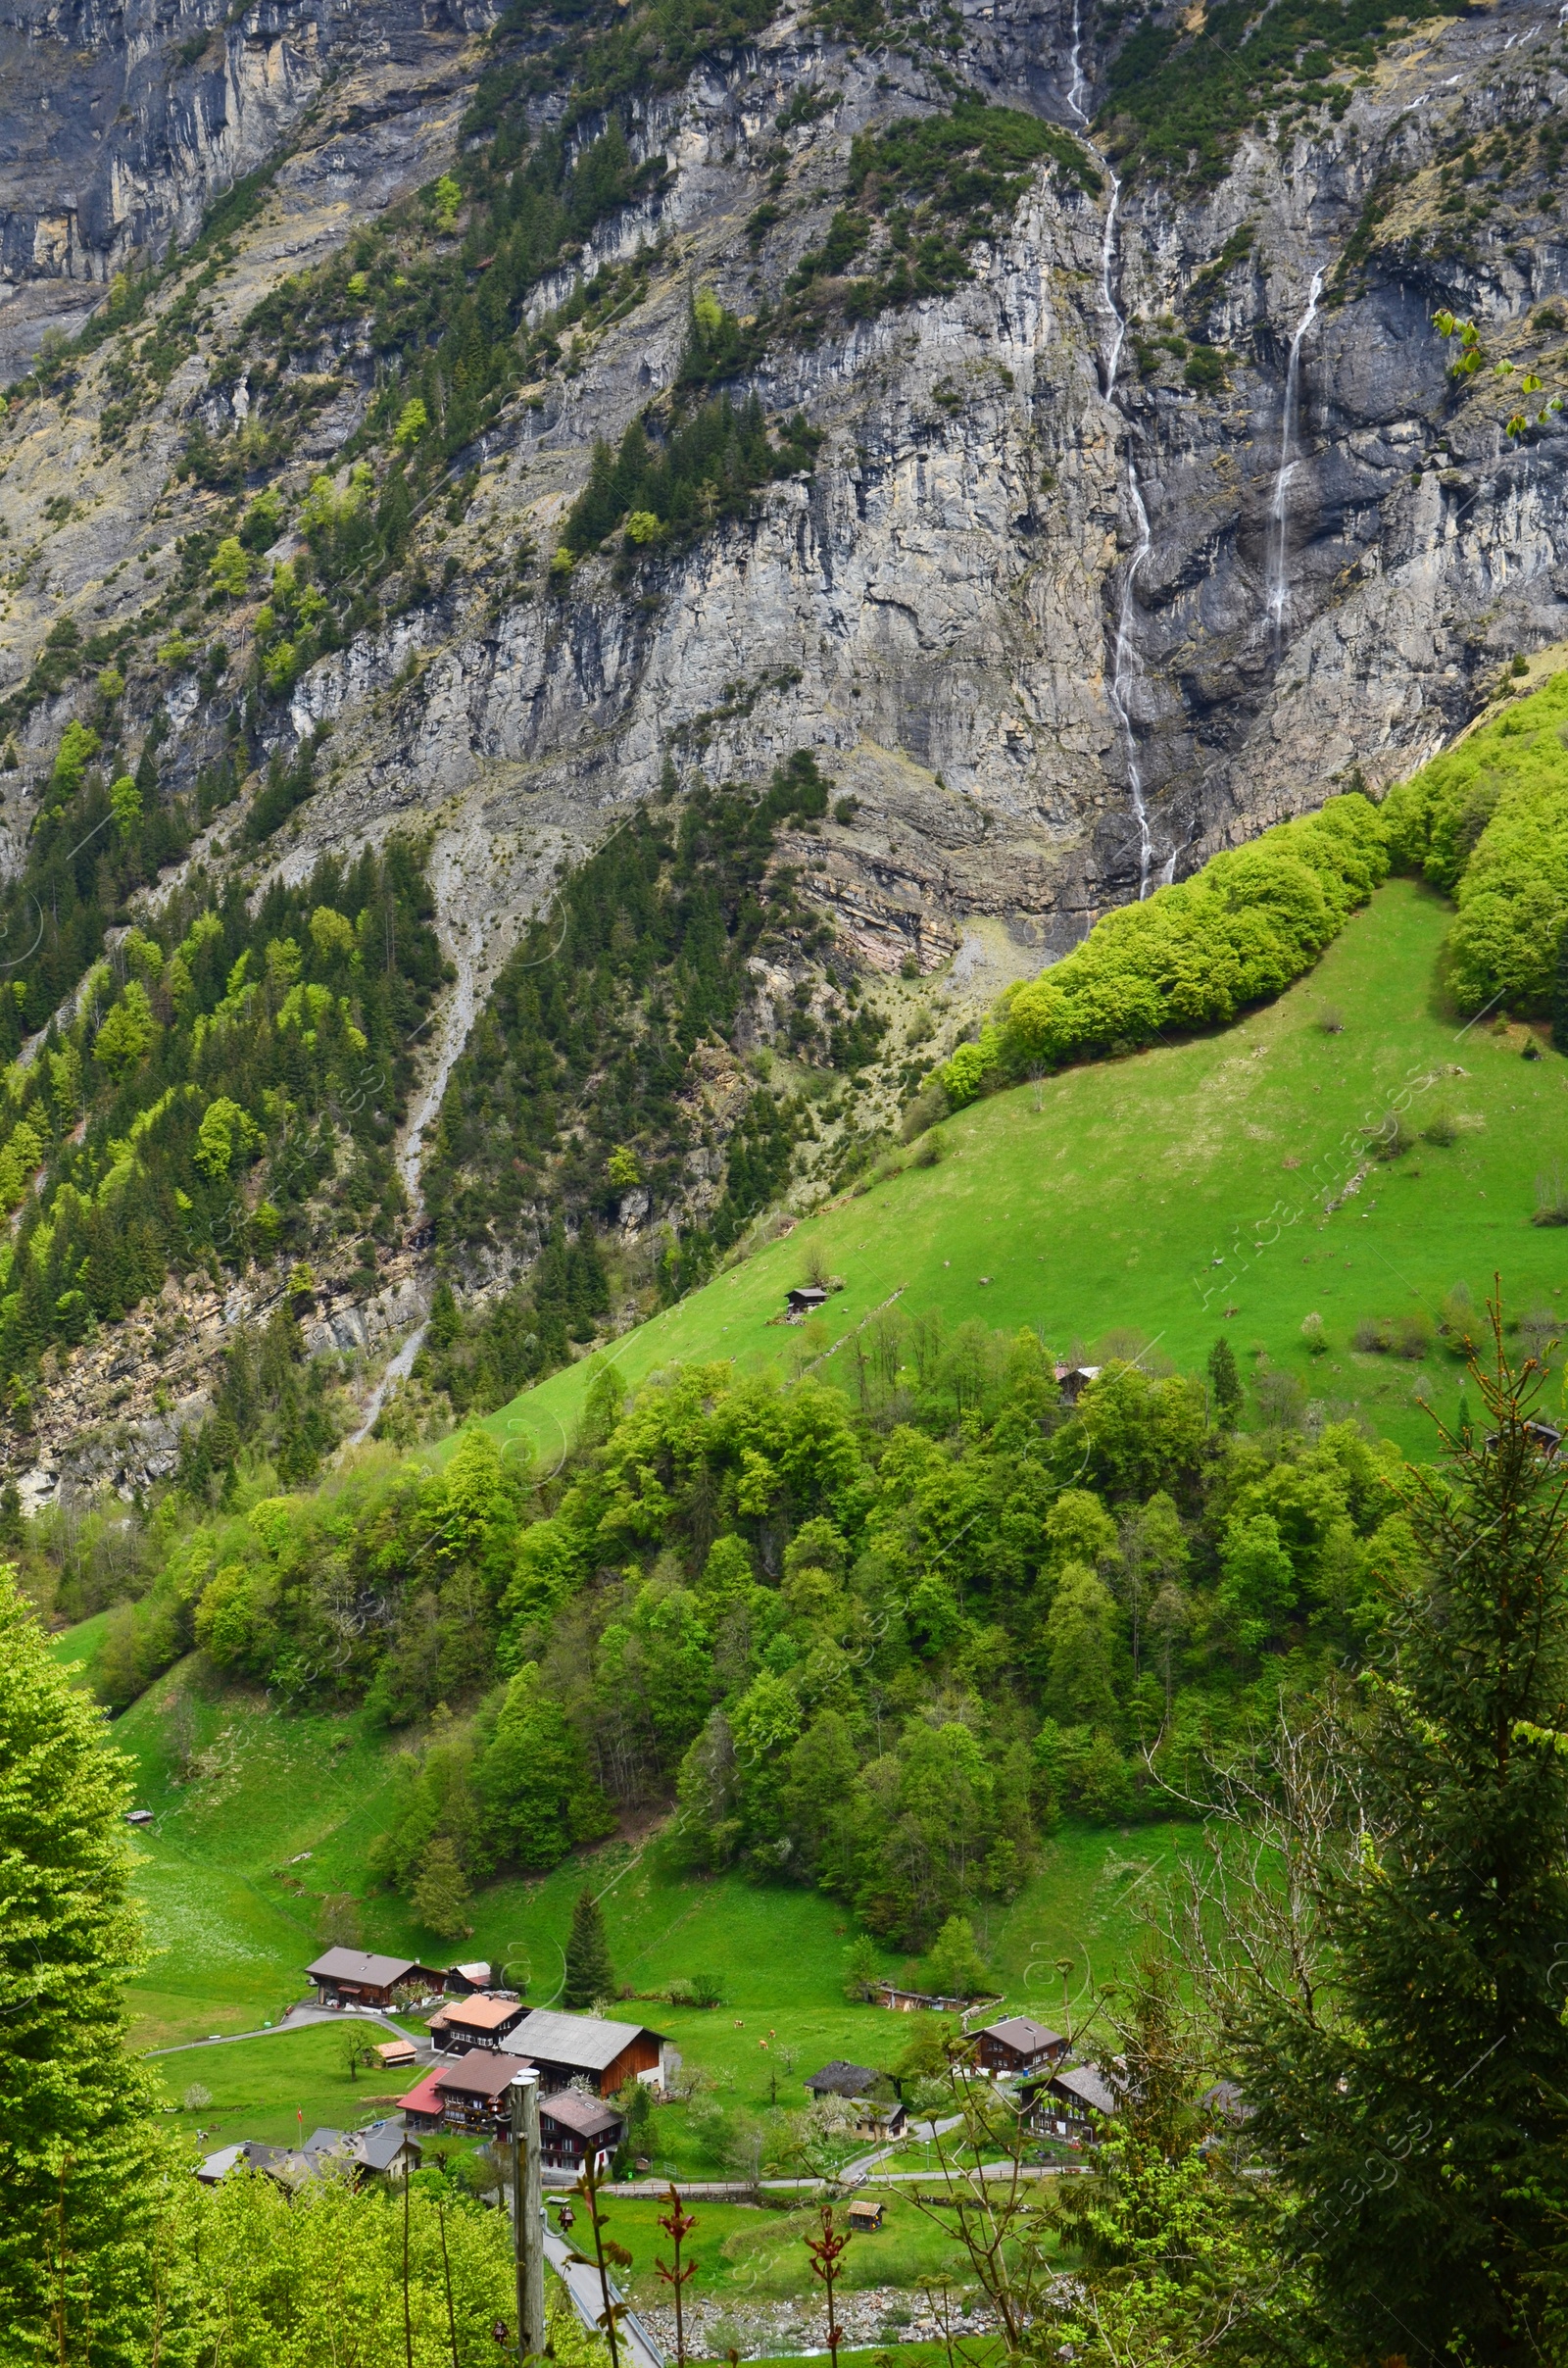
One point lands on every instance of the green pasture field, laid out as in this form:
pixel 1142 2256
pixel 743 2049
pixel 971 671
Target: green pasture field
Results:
pixel 241 1790
pixel 745 2253
pixel 265 2088
pixel 80 1643
pixel 1182 1192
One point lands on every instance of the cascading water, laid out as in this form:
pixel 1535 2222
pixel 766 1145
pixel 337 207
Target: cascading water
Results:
pixel 1125 663
pixel 1077 85
pixel 1278 583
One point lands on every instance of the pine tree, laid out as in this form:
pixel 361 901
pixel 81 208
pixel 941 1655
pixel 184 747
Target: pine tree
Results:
pixel 1411 2086
pixel 1224 1384
pixel 589 1972
pixel 78 2144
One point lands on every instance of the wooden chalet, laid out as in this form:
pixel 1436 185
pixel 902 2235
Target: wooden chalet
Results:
pixel 395 2054
pixel 866 2216
pixel 468 2095
pixel 1073 1380
pixel 349 1977
pixel 1075 2103
pixel 572 2126
pixel 1017 2046
pixel 875 2116
pixel 476 2021
pixel 587 2048
pixel 383 2151
pixel 461 1981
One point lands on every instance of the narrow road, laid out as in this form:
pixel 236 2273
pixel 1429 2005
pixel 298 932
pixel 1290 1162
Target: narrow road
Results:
pixel 582 2281
pixel 295 2019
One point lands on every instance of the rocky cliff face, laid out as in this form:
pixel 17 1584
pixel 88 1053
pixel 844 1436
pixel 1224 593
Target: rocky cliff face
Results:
pixel 120 124
pixel 1167 522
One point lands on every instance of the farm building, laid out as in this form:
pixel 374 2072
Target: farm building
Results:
pixel 570 2047
pixel 382 2151
pixel 866 2216
pixel 349 1977
pixel 572 2126
pixel 805 1301
pixel 1073 1380
pixel 875 2116
pixel 840 2079
pixel 1018 2045
pixel 918 2002
pixel 476 2021
pixel 395 2054
pixel 1073 2103
pixel 462 1980
pixel 468 2095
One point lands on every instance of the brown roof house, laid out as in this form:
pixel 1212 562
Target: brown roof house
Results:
pixel 1018 2045
pixel 350 1977
pixel 875 2116
pixel 572 2126
pixel 586 2049
pixel 475 2022
pixel 1073 2103
pixel 470 2094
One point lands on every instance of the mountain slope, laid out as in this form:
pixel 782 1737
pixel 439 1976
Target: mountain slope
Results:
pixel 596 406
pixel 1181 1194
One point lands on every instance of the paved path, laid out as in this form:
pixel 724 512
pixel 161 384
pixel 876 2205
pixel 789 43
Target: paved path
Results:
pixel 295 2019
pixel 582 2281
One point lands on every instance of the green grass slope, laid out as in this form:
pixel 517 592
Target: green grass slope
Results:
pixel 259 1814
pixel 1183 1191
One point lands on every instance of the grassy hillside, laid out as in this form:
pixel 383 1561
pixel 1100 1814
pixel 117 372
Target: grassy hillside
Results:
pixel 239 1791
pixel 1181 1191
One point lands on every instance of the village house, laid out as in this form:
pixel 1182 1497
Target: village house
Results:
pixel 461 1981
pixel 1073 1380
pixel 468 2095
pixel 585 2047
pixel 383 2151
pixel 1075 2103
pixel 476 2021
pixel 349 1977
pixel 883 2118
pixel 572 2126
pixel 1017 2045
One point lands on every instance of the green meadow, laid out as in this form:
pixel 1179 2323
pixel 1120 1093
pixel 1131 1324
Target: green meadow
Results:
pixel 1183 1192
pixel 274 2088
pixel 260 1815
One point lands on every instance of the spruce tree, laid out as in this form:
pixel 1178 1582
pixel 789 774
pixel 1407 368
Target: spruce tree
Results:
pixel 589 1972
pixel 1411 2079
pixel 1224 1384
pixel 79 2182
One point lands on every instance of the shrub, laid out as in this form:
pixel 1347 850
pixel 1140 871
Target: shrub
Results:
pixel 1488 823
pixel 1443 1129
pixel 1188 957
pixel 1551 1199
pixel 1413 1333
pixel 1313 1334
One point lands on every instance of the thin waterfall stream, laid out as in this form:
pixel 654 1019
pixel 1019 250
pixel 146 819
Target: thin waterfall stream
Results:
pixel 1126 666
pixel 1278 590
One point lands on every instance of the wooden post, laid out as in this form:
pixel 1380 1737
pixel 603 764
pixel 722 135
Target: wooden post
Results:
pixel 527 2223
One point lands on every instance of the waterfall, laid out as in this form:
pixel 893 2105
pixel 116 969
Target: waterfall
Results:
pixel 1278 586
pixel 1078 86
pixel 1125 663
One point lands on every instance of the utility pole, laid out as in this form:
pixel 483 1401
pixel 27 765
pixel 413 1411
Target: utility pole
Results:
pixel 527 2214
